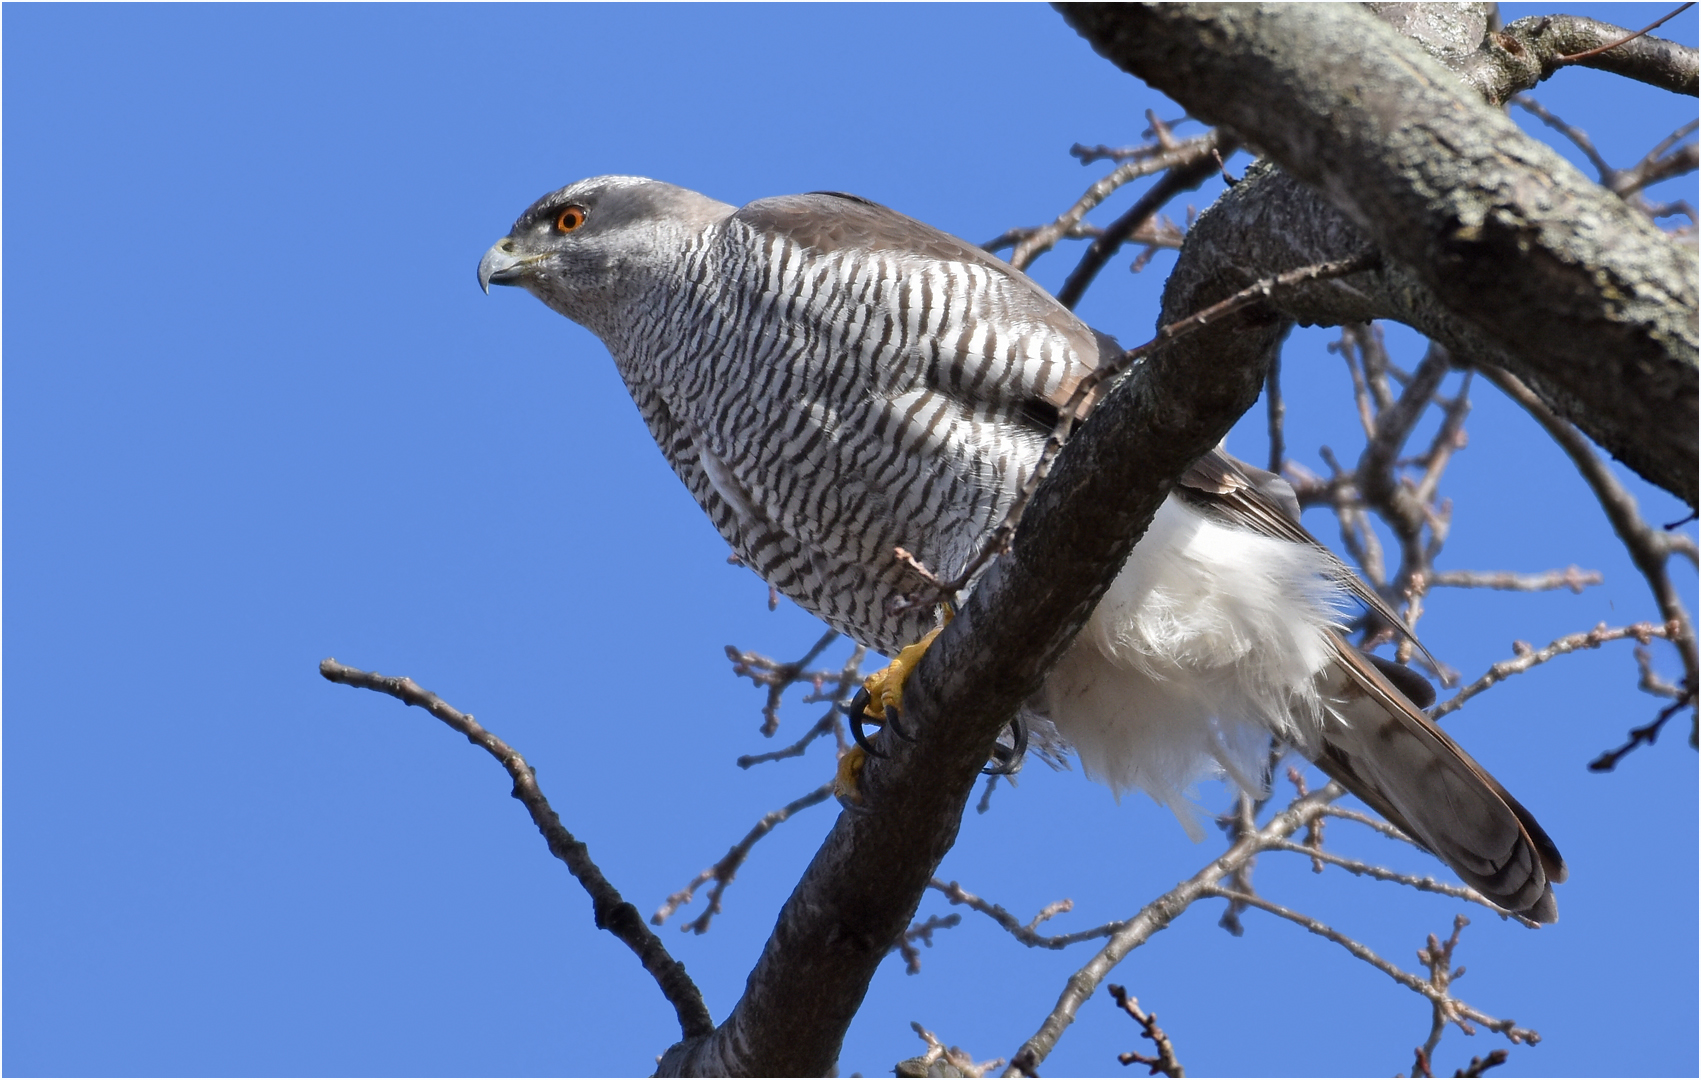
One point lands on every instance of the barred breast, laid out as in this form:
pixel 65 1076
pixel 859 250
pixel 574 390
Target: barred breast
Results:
pixel 830 399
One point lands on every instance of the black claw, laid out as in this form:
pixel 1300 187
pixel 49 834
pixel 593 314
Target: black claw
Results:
pixel 858 716
pixel 1009 758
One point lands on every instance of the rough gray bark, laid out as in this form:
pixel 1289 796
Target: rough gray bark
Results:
pixel 1585 299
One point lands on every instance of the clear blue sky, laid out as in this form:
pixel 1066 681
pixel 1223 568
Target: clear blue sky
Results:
pixel 257 413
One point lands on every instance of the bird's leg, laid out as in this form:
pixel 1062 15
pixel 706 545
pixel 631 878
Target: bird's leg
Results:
pixel 881 699
pixel 884 689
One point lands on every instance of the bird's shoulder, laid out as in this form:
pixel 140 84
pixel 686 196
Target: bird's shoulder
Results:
pixel 834 222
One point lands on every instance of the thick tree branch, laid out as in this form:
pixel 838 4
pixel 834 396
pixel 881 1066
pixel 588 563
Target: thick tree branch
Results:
pixel 1587 301
pixel 1542 44
pixel 612 912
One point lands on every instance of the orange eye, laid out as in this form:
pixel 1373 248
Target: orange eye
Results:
pixel 569 219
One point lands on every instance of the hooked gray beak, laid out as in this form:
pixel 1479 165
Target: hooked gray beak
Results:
pixel 500 266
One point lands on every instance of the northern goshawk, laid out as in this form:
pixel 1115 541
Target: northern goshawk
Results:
pixel 833 380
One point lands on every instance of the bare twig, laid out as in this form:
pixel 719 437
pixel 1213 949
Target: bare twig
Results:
pixel 823 726
pixel 922 932
pixel 955 1057
pixel 1480 1065
pixel 1457 1012
pixel 1185 175
pixel 779 677
pixel 612 912
pixel 1641 736
pixel 1379 873
pixel 1437 956
pixel 1025 934
pixel 1572 577
pixel 1528 658
pixel 1165 1062
pixel 1368 822
pixel 1578 137
pixel 1009 238
pixel 1159 913
pixel 1648 680
pixel 1046 237
pixel 1627 184
pixel 724 871
pixel 1648 547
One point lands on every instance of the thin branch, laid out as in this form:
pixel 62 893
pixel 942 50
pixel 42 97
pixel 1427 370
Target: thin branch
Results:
pixel 1437 956
pixel 1578 137
pixel 1166 1061
pixel 1528 658
pixel 955 1057
pixel 1380 873
pixel 1025 934
pixel 922 932
pixel 612 912
pixel 1009 238
pixel 1154 917
pixel 1457 1011
pixel 1185 175
pixel 1572 577
pixel 823 726
pixel 1346 814
pixel 1647 546
pixel 724 871
pixel 1046 237
pixel 1656 164
pixel 779 677
pixel 1638 737
pixel 1534 48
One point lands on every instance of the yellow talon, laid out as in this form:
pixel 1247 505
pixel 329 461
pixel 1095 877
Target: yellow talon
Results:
pixel 850 767
pixel 886 686
pixel 885 690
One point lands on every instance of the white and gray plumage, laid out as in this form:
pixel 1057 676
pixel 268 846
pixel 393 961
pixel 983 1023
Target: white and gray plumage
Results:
pixel 833 380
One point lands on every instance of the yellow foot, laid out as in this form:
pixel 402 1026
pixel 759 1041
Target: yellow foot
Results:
pixel 882 700
pixel 844 781
pixel 886 686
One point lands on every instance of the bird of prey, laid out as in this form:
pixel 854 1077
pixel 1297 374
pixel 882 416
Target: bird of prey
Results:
pixel 833 380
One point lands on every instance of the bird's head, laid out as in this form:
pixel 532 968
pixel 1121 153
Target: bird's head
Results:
pixel 580 248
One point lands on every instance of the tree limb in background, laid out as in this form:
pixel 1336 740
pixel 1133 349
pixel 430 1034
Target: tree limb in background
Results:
pixel 1649 548
pixel 1598 320
pixel 1166 1061
pixel 1247 843
pixel 1169 160
pixel 1528 658
pixel 612 912
pixel 1183 176
pixel 1537 47
pixel 726 869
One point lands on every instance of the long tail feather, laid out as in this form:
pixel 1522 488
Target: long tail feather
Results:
pixel 1388 753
